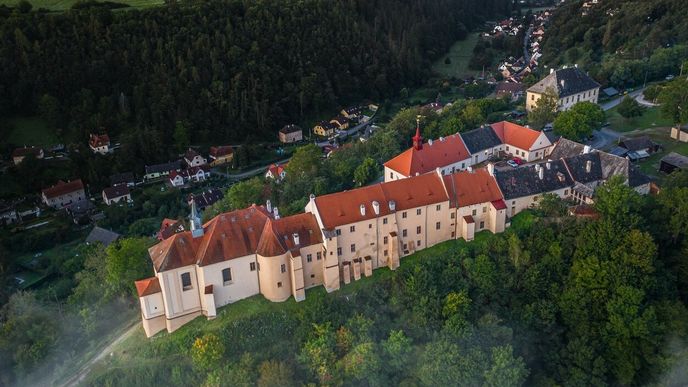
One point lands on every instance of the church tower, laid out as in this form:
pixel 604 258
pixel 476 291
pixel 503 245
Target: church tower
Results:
pixel 195 220
pixel 418 139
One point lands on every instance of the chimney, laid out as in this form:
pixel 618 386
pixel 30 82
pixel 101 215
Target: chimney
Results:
pixel 392 205
pixel 275 213
pixel 362 209
pixel 441 138
pixel 296 238
pixel 376 207
pixel 548 165
pixel 311 197
pixel 586 149
pixel 588 166
pixel 551 71
pixel 541 173
pixel 430 142
pixel 490 169
pixel 268 205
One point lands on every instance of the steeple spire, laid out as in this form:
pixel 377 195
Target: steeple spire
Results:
pixel 418 139
pixel 195 220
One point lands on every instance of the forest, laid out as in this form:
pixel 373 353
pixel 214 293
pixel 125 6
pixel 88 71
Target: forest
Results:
pixel 555 300
pixel 621 43
pixel 231 71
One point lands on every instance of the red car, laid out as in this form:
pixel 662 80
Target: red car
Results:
pixel 518 161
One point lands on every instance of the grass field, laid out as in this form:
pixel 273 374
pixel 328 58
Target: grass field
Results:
pixel 650 165
pixel 62 5
pixel 652 118
pixel 459 54
pixel 30 131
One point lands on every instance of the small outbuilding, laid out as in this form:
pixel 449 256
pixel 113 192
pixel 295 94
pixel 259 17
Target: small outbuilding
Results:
pixel 672 162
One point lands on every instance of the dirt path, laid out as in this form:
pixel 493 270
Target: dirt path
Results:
pixel 83 372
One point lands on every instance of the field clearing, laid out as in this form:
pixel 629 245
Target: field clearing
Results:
pixel 652 118
pixel 460 54
pixel 63 5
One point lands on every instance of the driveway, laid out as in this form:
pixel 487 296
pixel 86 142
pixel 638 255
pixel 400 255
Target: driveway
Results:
pixel 613 103
pixel 603 138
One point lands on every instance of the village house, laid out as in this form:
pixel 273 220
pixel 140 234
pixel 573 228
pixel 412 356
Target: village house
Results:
pixel 352 112
pixel 63 194
pixel 83 211
pixel 672 162
pixel 340 122
pixel 169 227
pixel 290 133
pixel 19 154
pixel 324 129
pixel 568 85
pixel 116 194
pixel 194 159
pixel 8 213
pixel 101 235
pixel 513 90
pixel 158 171
pixel 206 198
pixel 678 132
pixel 277 172
pixel 220 155
pixel 436 107
pixel 99 143
pixel 126 178
pixel 637 148
pixel 189 175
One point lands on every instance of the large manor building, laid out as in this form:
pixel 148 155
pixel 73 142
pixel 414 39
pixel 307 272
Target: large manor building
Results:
pixel 343 236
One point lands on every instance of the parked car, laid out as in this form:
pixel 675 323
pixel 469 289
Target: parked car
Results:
pixel 518 160
pixel 548 127
pixel 669 77
pixel 512 164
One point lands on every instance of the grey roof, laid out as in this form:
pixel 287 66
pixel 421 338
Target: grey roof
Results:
pixel 577 166
pixel 565 82
pixel 610 91
pixel 116 191
pixel 637 143
pixel 122 178
pixel 104 236
pixel 602 167
pixel 618 151
pixel 207 198
pixel 166 167
pixel 525 181
pixel 676 160
pixel 480 139
pixel 566 148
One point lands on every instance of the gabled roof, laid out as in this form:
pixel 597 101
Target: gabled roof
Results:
pixel 517 135
pixel 62 188
pixel 104 236
pixel 637 143
pixel 116 191
pixel 291 128
pixel 278 234
pixel 207 198
pixel 191 154
pixel 219 151
pixel 98 140
pixel 21 152
pixel 122 178
pixel 169 227
pixel 477 140
pixel 565 82
pixel 677 160
pixel 277 169
pixel 525 181
pixel 566 148
pixel 178 250
pixel 468 188
pixel 345 207
pixel 443 152
pixel 148 286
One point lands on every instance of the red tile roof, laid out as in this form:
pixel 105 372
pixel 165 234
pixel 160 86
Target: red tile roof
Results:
pixel 21 152
pixel 516 135
pixel 62 188
pixel 98 140
pixel 219 151
pixel 345 207
pixel 148 286
pixel 169 227
pixel 499 204
pixel 277 169
pixel 468 188
pixel 441 153
pixel 278 234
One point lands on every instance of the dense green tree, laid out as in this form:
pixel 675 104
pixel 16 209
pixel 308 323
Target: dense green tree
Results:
pixel 126 261
pixel 238 196
pixel 674 100
pixel 506 370
pixel 274 374
pixel 545 110
pixel 365 172
pixel 180 136
pixel 629 108
pixel 397 350
pixel 617 202
pixel 579 121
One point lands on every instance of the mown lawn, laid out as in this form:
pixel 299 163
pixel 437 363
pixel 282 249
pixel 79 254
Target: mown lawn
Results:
pixel 652 118
pixel 650 166
pixel 62 5
pixel 30 131
pixel 459 54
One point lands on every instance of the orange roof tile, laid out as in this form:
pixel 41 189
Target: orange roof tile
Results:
pixel 62 188
pixel 441 153
pixel 468 188
pixel 345 207
pixel 148 286
pixel 278 234
pixel 515 135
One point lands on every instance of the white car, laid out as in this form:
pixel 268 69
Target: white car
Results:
pixel 512 164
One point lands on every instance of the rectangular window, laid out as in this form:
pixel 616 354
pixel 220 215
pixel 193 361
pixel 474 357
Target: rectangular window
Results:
pixel 384 220
pixel 418 243
pixel 370 225
pixel 453 215
pixel 309 257
pixel 339 251
pixel 453 234
pixel 226 276
pixel 404 233
pixel 391 175
pixel 252 266
pixel 352 229
pixel 384 240
pixel 484 209
pixel 566 192
pixel 418 230
pixel 474 212
pixel 353 247
pixel 279 284
pixel 283 268
pixel 418 211
pixel 403 215
pixel 386 253
pixel 338 232
pixel 318 256
pixel 482 225
pixel 438 207
pixel 437 226
pixel 186 281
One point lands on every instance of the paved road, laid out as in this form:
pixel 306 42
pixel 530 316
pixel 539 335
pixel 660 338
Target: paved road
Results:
pixel 611 104
pixel 245 175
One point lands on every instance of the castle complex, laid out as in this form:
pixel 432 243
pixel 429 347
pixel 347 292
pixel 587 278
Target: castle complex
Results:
pixel 433 192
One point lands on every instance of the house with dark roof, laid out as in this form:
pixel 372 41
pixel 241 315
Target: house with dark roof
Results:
pixel 639 147
pixel 220 155
pixel 569 85
pixel 513 90
pixel 672 162
pixel 126 178
pixel 158 171
pixel 19 154
pixel 290 133
pixel 523 187
pixel 206 198
pixel 169 227
pixel 116 194
pixel 324 128
pixel 102 235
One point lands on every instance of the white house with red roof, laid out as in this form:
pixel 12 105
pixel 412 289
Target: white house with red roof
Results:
pixel 277 172
pixel 99 143
pixel 192 174
pixel 63 194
